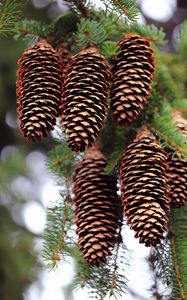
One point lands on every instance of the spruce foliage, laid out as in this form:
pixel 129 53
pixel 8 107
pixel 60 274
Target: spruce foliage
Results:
pixel 10 13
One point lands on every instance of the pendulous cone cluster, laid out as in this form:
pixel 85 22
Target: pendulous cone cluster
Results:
pixel 97 207
pixel 53 83
pixel 144 188
pixel 39 89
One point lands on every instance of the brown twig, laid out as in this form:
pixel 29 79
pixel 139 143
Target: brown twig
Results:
pixel 167 139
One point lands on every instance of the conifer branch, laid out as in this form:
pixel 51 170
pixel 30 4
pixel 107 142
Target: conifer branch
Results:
pixel 155 34
pixel 79 6
pixel 177 267
pixel 90 33
pixel 116 265
pixel 179 250
pixel 162 125
pixel 58 237
pixel 127 9
pixel 10 11
pixel 61 160
pixel 171 143
pixel 30 28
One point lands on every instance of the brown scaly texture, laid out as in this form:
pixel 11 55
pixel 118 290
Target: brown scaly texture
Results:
pixel 85 93
pixel 144 188
pixel 97 209
pixel 132 76
pixel 178 168
pixel 39 88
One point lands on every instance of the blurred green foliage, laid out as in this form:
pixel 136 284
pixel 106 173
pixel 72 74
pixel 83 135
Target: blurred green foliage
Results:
pixel 17 259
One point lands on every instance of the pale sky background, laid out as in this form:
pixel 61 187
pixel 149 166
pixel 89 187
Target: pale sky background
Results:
pixel 34 215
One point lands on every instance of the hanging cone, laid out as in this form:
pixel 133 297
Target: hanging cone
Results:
pixel 97 209
pixel 178 179
pixel 132 76
pixel 144 188
pixel 84 98
pixel 178 168
pixel 38 88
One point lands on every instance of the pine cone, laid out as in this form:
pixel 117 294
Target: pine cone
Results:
pixel 132 76
pixel 178 168
pixel 84 98
pixel 97 207
pixel 178 180
pixel 38 88
pixel 144 187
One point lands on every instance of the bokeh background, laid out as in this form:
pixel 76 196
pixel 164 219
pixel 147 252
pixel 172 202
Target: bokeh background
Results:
pixel 27 187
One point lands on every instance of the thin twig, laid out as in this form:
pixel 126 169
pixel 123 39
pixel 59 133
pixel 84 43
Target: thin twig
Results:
pixel 168 140
pixel 177 267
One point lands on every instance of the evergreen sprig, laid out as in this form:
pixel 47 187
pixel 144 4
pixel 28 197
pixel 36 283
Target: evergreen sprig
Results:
pixel 79 6
pixel 179 251
pixel 109 49
pixel 102 31
pixel 89 33
pixel 166 131
pixel 161 262
pixel 10 13
pixel 58 235
pixel 164 85
pixel 30 28
pixel 127 9
pixel 155 34
pixel 61 161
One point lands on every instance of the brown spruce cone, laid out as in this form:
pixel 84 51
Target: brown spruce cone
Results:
pixel 178 168
pixel 144 188
pixel 97 208
pixel 39 88
pixel 178 179
pixel 132 76
pixel 85 93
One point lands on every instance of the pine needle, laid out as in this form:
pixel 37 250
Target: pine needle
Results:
pixel 10 13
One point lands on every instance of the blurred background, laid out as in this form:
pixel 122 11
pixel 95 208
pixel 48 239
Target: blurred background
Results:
pixel 27 187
